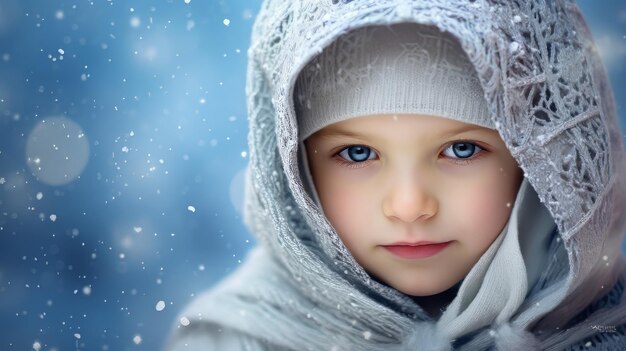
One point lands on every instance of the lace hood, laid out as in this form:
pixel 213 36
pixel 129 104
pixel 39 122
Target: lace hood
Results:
pixel 549 99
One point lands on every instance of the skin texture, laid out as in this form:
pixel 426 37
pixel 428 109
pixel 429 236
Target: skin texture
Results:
pixel 410 178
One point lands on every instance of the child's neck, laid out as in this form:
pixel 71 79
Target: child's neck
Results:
pixel 434 305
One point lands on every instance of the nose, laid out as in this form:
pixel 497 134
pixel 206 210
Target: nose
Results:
pixel 409 199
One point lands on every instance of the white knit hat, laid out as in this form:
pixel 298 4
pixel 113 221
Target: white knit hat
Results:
pixel 402 68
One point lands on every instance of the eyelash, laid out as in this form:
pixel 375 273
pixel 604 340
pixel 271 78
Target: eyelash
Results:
pixel 463 162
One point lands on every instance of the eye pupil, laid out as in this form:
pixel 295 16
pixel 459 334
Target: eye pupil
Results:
pixel 359 153
pixel 463 150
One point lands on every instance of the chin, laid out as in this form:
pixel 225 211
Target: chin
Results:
pixel 422 290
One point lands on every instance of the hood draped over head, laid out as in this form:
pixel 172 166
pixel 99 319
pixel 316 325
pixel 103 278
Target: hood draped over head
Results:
pixel 540 84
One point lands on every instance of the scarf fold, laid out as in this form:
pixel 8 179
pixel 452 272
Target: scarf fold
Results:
pixel 498 283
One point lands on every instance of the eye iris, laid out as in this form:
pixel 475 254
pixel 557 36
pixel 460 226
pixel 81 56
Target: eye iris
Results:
pixel 359 153
pixel 463 150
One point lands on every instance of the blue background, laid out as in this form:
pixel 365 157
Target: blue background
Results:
pixel 157 90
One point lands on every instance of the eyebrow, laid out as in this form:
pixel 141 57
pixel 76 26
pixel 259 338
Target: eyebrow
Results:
pixel 329 133
pixel 340 132
pixel 467 128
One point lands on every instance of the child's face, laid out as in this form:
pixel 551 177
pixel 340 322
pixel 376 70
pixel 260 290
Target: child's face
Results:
pixel 388 179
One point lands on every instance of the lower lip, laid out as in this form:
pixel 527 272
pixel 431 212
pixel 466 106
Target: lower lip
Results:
pixel 414 252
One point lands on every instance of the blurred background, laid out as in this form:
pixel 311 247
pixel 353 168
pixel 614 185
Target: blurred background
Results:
pixel 122 152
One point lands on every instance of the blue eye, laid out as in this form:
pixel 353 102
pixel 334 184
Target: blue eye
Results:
pixel 357 153
pixel 462 150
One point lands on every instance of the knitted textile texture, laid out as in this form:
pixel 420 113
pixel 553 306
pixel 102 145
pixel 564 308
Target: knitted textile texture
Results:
pixel 383 69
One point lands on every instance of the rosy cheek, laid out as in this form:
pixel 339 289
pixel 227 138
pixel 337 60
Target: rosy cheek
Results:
pixel 493 217
pixel 497 214
pixel 481 213
pixel 340 206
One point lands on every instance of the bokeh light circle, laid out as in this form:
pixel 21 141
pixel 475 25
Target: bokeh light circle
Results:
pixel 57 151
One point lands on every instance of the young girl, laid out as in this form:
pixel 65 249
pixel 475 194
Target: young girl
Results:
pixel 425 175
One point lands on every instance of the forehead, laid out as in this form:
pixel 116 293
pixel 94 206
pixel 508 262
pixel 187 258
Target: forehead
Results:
pixel 400 126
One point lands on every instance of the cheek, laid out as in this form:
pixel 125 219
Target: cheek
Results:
pixel 341 203
pixel 482 208
pixel 494 213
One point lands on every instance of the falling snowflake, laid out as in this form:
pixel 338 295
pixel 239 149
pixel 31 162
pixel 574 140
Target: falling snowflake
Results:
pixel 184 321
pixel 513 48
pixel 160 306
pixel 191 209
